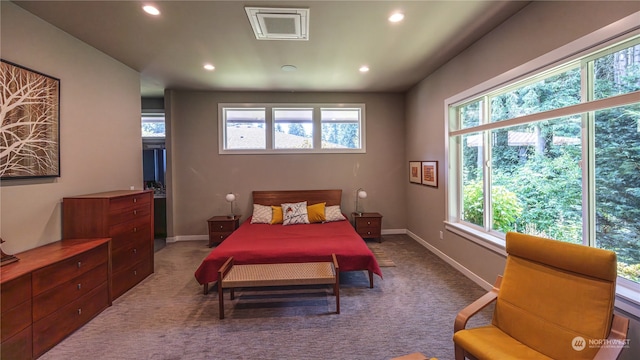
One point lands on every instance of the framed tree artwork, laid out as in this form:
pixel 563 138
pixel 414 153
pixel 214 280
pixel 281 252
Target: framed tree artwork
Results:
pixel 430 173
pixel 30 123
pixel 415 173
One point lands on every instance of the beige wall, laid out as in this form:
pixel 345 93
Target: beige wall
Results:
pixel 99 127
pixel 534 31
pixel 199 178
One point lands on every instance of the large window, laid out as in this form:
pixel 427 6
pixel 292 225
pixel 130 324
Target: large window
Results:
pixel 291 128
pixel 556 154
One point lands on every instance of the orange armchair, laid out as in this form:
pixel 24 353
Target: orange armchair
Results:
pixel 555 300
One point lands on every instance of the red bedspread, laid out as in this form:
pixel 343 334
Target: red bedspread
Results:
pixel 268 244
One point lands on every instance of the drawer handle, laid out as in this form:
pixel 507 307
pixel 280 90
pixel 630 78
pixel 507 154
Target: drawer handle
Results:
pixel 368 222
pixel 135 212
pixel 135 272
pixel 135 251
pixel 79 311
pixel 368 232
pixel 221 227
pixel 79 286
pixel 135 229
pixel 135 200
pixel 79 264
pixel 221 236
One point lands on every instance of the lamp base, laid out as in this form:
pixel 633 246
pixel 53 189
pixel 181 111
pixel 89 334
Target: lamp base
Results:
pixel 7 259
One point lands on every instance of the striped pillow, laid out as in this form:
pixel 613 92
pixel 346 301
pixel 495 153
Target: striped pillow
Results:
pixel 333 213
pixel 261 214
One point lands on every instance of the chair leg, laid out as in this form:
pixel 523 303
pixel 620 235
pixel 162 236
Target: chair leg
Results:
pixel 459 352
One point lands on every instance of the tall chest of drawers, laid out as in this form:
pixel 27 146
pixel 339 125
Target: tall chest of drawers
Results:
pixel 126 216
pixel 50 292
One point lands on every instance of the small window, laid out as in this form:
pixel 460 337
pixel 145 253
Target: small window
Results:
pixel 341 128
pixel 293 128
pixel 153 126
pixel 245 128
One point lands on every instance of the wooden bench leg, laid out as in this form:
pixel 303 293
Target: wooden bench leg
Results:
pixel 336 291
pixel 220 300
pixel 336 285
pixel 205 288
pixel 370 279
pixel 222 272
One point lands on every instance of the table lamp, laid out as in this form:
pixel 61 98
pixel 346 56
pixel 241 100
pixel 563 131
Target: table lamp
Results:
pixel 231 198
pixel 360 194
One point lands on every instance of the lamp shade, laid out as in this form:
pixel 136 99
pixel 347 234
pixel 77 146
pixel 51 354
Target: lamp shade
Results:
pixel 230 197
pixel 362 194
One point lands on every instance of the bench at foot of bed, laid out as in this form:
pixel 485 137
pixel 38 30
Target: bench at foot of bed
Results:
pixel 205 287
pixel 289 274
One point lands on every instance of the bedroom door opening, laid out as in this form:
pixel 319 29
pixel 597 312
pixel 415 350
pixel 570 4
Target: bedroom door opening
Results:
pixel 154 163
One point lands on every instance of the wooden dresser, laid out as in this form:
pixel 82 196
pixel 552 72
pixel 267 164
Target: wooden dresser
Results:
pixel 50 292
pixel 126 216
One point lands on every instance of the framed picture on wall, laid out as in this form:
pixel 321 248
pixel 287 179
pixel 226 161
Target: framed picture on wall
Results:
pixel 30 126
pixel 415 173
pixel 430 173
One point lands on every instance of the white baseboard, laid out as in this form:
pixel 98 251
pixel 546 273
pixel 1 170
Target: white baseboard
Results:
pixel 187 238
pixel 456 265
pixel 394 231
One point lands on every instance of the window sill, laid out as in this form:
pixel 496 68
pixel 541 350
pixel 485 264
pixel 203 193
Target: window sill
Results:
pixel 488 241
pixel 627 292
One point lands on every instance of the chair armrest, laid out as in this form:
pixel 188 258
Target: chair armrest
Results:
pixel 465 314
pixel 617 337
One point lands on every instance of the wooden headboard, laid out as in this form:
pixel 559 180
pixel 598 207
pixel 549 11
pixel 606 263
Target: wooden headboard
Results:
pixel 277 197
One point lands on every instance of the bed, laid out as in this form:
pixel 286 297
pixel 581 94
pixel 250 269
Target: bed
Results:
pixel 277 243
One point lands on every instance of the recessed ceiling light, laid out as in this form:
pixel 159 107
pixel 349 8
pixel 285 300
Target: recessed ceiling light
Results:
pixel 209 67
pixel 151 10
pixel 364 68
pixel 396 17
pixel 288 68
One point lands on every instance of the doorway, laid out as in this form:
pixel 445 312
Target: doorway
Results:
pixel 154 164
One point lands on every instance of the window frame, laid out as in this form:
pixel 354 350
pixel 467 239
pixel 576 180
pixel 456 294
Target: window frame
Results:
pixel 270 128
pixel 582 51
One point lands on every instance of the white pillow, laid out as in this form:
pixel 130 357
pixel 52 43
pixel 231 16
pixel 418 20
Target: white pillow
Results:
pixel 295 213
pixel 261 214
pixel 333 213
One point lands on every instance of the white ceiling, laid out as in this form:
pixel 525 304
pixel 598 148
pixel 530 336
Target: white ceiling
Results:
pixel 170 50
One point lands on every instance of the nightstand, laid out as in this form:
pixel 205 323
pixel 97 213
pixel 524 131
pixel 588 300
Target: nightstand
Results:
pixel 220 227
pixel 368 225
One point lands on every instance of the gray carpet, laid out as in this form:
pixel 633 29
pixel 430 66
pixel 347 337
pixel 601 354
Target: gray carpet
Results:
pixel 167 317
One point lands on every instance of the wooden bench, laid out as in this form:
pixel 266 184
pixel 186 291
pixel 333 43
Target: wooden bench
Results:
pixel 288 274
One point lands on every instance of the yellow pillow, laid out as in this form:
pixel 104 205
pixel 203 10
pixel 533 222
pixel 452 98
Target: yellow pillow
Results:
pixel 277 215
pixel 315 213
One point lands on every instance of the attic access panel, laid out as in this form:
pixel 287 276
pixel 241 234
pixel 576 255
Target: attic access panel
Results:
pixel 279 23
